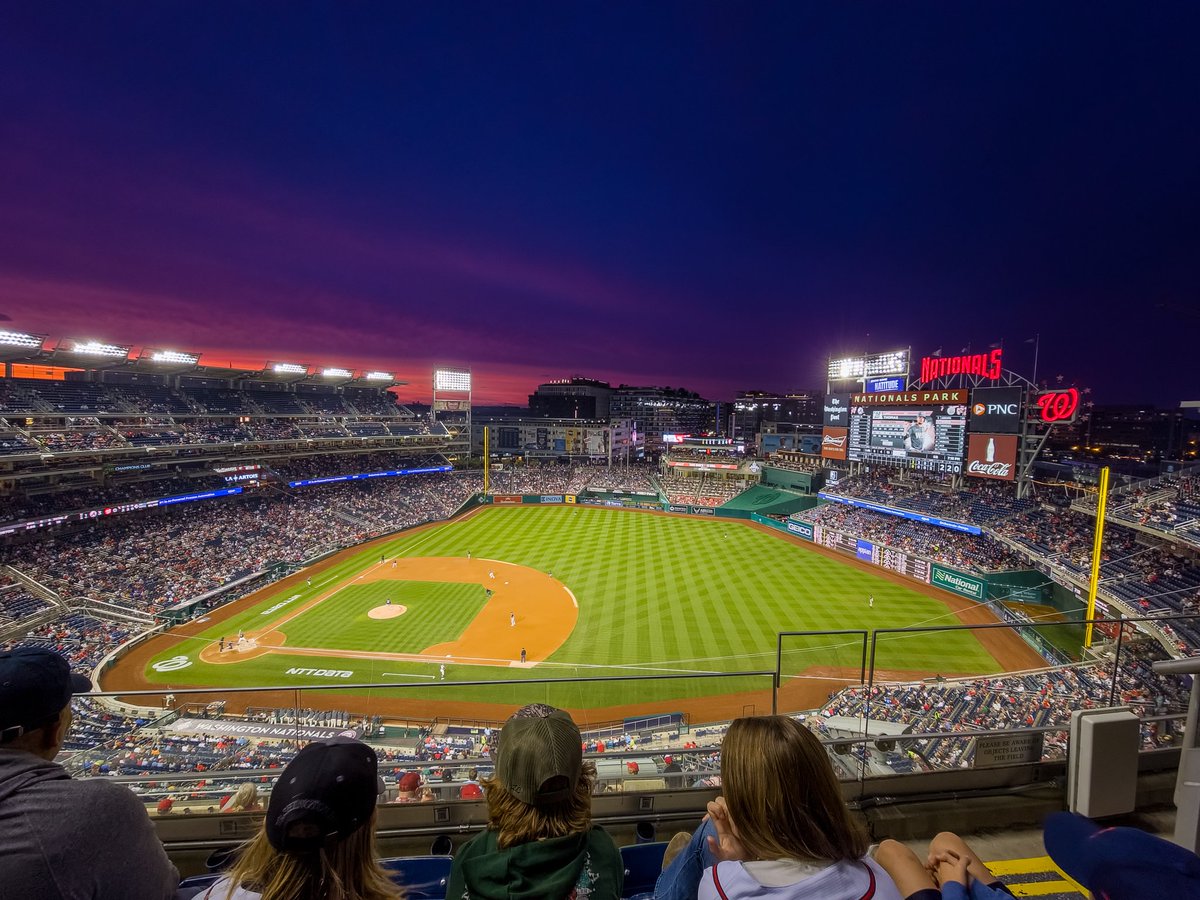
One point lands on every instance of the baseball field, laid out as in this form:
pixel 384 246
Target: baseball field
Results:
pixel 579 592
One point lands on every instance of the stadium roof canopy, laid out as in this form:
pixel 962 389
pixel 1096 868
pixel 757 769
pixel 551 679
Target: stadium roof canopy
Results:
pixel 86 353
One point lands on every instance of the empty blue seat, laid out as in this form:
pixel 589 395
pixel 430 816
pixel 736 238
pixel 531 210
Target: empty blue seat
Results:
pixel 422 877
pixel 643 865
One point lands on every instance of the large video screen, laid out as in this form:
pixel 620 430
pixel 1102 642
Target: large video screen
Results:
pixel 928 438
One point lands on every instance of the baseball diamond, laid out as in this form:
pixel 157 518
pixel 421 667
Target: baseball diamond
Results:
pixel 632 594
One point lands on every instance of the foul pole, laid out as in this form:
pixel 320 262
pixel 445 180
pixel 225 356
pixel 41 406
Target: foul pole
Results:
pixel 487 461
pixel 1097 544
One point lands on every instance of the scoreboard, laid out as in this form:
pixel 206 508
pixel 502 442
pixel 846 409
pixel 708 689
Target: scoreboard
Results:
pixel 930 439
pixel 922 430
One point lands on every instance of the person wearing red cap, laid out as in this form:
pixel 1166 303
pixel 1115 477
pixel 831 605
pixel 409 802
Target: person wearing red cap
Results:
pixel 61 838
pixel 318 836
pixel 673 772
pixel 406 787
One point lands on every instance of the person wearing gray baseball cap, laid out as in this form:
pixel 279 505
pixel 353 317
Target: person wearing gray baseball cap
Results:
pixel 540 841
pixel 63 838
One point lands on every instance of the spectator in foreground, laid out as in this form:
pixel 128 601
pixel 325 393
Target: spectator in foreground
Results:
pixel 318 838
pixel 952 871
pixel 61 838
pixel 540 841
pixel 1121 863
pixel 780 828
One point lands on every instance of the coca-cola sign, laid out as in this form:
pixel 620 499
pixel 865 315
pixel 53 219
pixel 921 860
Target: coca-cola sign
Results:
pixel 992 456
pixel 834 442
pixel 990 470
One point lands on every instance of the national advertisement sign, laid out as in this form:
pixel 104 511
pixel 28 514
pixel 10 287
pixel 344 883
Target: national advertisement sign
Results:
pixel 800 529
pixel 992 456
pixel 835 443
pixel 864 550
pixel 995 410
pixel 506 498
pixel 958 582
pixel 837 410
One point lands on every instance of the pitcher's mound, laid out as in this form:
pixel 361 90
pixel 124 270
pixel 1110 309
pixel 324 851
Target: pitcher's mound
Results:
pixel 388 611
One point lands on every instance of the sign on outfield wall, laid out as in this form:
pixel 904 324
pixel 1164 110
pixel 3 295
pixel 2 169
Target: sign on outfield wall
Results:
pixel 864 550
pixel 958 582
pixel 800 529
pixel 506 498
pixel 992 456
pixel 835 443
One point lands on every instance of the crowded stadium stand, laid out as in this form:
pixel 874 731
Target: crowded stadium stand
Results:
pixel 102 563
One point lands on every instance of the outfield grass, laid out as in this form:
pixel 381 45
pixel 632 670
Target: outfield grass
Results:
pixel 657 594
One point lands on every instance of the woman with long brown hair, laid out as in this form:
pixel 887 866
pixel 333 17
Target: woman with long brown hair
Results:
pixel 540 841
pixel 780 828
pixel 318 838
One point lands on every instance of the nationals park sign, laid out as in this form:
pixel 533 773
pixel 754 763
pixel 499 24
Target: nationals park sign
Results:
pixel 957 582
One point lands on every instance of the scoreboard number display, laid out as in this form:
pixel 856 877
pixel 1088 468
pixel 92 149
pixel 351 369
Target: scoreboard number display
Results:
pixel 928 438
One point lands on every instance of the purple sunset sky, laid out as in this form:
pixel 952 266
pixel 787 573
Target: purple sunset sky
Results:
pixel 710 195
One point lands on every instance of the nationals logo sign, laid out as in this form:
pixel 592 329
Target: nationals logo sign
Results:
pixel 1058 406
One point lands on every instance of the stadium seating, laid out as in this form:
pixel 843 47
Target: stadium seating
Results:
pixel 422 877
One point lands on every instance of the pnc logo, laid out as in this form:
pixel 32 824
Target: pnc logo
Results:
pixel 994 409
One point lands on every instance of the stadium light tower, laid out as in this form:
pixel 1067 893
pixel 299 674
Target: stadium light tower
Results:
pixel 451 407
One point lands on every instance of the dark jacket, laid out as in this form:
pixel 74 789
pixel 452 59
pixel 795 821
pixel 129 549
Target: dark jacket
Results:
pixel 584 866
pixel 62 839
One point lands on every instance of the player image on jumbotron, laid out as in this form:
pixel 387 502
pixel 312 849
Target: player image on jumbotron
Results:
pixel 921 435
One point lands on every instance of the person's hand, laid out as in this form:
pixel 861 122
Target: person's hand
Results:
pixel 948 866
pixel 725 846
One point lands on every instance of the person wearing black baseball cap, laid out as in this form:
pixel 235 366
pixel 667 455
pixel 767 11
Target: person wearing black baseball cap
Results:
pixel 61 838
pixel 318 837
pixel 540 841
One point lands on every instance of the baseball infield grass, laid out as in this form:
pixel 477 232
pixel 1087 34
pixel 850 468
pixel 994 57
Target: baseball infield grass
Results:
pixel 657 595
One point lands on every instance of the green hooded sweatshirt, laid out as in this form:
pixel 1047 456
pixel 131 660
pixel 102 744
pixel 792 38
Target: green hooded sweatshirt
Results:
pixel 576 867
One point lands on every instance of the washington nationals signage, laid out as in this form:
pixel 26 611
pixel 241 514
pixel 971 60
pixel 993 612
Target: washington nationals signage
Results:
pixel 911 398
pixel 1058 406
pixel 984 365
